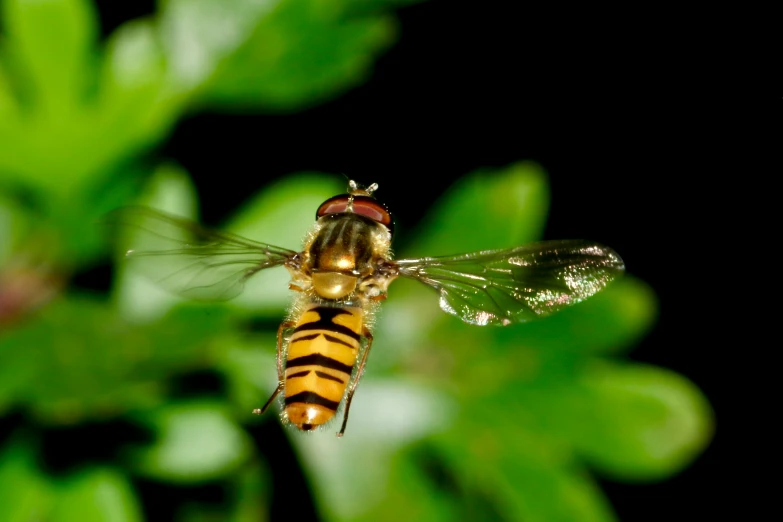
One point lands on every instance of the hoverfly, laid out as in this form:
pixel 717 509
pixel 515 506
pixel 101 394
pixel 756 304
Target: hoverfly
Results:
pixel 342 274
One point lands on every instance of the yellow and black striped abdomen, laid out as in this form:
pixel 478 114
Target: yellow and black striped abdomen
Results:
pixel 322 352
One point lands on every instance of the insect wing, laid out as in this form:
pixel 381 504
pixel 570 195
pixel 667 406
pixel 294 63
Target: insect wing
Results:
pixel 517 284
pixel 189 260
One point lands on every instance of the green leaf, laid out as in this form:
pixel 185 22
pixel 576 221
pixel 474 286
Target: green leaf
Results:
pixel 489 209
pixel 525 475
pixel 12 221
pixel 301 53
pixel 69 236
pixel 51 63
pixel 250 364
pixel 134 61
pixel 197 442
pixel 90 116
pixel 280 215
pixel 649 422
pixel 52 49
pixel 411 494
pixel 96 494
pixel 25 493
pixel 8 103
pixel 198 34
pixel 61 236
pixel 632 422
pixel 93 494
pixel 78 359
pixel 16 374
pixel 284 211
pixel 135 106
pixel 546 493
pixel 386 415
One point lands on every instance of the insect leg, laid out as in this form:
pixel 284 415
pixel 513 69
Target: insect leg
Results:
pixel 280 376
pixel 355 382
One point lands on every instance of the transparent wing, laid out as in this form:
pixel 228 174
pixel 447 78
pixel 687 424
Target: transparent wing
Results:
pixel 518 284
pixel 188 260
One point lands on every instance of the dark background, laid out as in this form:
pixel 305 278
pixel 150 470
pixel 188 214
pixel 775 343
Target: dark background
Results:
pixel 618 107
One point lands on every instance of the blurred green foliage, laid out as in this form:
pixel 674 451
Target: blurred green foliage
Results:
pixel 451 421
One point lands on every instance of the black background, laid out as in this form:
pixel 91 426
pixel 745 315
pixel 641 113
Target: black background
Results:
pixel 618 106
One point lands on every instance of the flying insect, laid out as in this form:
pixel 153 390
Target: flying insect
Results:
pixel 341 276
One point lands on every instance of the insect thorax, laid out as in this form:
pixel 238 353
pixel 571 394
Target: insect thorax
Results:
pixel 343 254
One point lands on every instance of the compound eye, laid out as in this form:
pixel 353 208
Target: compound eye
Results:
pixel 363 205
pixel 369 207
pixel 334 205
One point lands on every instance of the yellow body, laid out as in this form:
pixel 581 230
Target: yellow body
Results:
pixel 322 352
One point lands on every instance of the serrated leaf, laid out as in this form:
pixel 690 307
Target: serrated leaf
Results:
pixel 649 422
pixel 57 145
pixel 196 442
pixel 48 59
pixel 487 210
pixel 96 495
pixel 87 121
pixel 303 52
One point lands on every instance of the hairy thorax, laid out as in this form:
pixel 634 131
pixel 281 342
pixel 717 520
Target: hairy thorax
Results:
pixel 343 256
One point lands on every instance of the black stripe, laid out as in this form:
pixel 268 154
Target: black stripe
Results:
pixel 327 313
pixel 328 337
pixel 323 375
pixel 299 374
pixel 308 397
pixel 305 338
pixel 329 327
pixel 325 322
pixel 333 339
pixel 317 359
